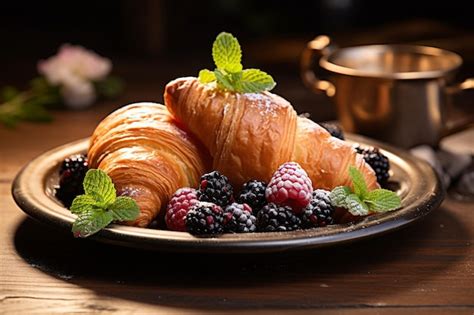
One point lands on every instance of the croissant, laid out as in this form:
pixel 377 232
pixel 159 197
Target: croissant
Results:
pixel 147 156
pixel 250 135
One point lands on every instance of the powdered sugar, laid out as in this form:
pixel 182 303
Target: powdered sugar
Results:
pixel 226 108
pixel 264 103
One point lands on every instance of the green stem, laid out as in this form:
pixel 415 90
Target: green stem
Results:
pixel 10 106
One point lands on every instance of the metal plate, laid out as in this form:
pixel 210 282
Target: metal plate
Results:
pixel 415 182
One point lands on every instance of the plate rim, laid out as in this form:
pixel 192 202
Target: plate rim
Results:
pixel 163 240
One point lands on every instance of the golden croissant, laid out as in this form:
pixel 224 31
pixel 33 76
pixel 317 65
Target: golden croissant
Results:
pixel 250 135
pixel 147 156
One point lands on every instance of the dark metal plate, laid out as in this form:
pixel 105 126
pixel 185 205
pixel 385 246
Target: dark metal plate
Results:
pixel 415 182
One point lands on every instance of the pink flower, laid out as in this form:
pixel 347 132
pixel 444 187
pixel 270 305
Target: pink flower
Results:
pixel 73 69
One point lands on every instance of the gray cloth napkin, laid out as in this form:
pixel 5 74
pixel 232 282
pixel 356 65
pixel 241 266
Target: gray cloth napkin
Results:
pixel 453 169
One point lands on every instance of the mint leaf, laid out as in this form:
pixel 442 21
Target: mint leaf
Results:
pixel 338 196
pixel 33 111
pixel 40 85
pixel 91 221
pixel 227 53
pixel 83 203
pixel 8 93
pixel 124 209
pixel 358 181
pixel 254 80
pixel 356 206
pixel 224 81
pixel 99 185
pixel 382 200
pixel 109 87
pixel 206 76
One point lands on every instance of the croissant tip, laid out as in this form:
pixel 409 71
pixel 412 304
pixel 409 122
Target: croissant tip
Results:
pixel 176 83
pixel 173 86
pixel 172 90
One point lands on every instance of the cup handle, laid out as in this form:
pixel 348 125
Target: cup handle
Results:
pixel 455 126
pixel 318 47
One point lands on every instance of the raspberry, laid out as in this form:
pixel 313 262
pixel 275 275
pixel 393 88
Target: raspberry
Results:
pixel 71 175
pixel 319 212
pixel 290 186
pixel 204 218
pixel 377 161
pixel 253 194
pixel 215 188
pixel 334 129
pixel 180 203
pixel 273 218
pixel 238 218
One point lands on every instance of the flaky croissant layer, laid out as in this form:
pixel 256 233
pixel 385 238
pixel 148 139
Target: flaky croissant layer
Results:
pixel 250 135
pixel 147 156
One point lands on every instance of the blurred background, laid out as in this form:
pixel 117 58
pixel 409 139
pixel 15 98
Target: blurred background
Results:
pixel 152 42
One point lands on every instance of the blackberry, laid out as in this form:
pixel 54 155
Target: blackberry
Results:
pixel 74 163
pixel 238 218
pixel 379 163
pixel 319 212
pixel 71 175
pixel 215 188
pixel 253 194
pixel 273 218
pixel 204 218
pixel 334 129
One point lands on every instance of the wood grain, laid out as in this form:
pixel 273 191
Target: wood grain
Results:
pixel 427 268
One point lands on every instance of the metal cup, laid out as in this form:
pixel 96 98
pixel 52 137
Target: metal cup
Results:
pixel 395 93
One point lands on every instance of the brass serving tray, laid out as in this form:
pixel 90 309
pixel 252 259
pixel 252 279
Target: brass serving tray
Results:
pixel 414 181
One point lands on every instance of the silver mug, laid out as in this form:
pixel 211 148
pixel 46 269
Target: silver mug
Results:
pixel 395 93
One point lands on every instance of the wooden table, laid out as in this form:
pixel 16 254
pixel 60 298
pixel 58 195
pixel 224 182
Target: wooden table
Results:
pixel 426 268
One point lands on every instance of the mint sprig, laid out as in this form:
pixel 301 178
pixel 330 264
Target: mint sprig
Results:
pixel 361 201
pixel 229 74
pixel 99 206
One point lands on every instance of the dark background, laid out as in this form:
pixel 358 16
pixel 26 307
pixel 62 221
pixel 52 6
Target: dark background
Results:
pixel 152 42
